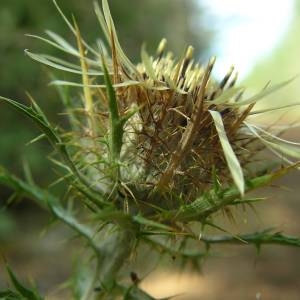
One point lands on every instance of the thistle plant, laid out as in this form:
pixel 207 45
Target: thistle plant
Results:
pixel 152 154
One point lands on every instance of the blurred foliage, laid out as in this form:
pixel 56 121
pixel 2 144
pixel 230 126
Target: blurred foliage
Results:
pixel 137 22
pixel 7 225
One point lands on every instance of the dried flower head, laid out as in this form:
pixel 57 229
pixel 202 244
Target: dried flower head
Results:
pixel 163 131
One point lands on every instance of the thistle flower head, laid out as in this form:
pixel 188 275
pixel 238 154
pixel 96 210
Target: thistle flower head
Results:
pixel 162 131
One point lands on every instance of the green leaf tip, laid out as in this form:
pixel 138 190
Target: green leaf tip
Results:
pixel 25 292
pixel 116 130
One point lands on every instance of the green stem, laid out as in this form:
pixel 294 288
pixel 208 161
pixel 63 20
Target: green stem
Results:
pixel 257 238
pixel 212 201
pixel 114 253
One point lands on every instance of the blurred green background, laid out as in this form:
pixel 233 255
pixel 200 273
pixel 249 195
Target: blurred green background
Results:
pixel 137 21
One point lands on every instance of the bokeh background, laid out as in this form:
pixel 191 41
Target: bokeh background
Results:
pixel 261 38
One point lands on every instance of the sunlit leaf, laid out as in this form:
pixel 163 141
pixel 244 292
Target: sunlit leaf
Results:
pixel 232 161
pixel 291 149
pixel 266 92
pixel 226 96
pixel 62 42
pixel 272 109
pixel 49 61
pixel 75 84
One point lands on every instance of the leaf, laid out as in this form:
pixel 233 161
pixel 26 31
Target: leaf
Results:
pixel 22 187
pixel 109 30
pixel 95 63
pixel 264 93
pixel 35 113
pixel 67 218
pixel 47 200
pixel 234 236
pixel 117 85
pixel 152 224
pixel 288 148
pixel 36 139
pixel 232 161
pixel 28 294
pixel 101 20
pixel 207 203
pixel 73 30
pixel 76 53
pixel 82 280
pixel 284 148
pixel 274 108
pixel 10 295
pixel 257 238
pixel 273 137
pixel 226 96
pixel 248 201
pixel 27 172
pixel 146 59
pixel 49 61
pixel 116 134
pixel 62 42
